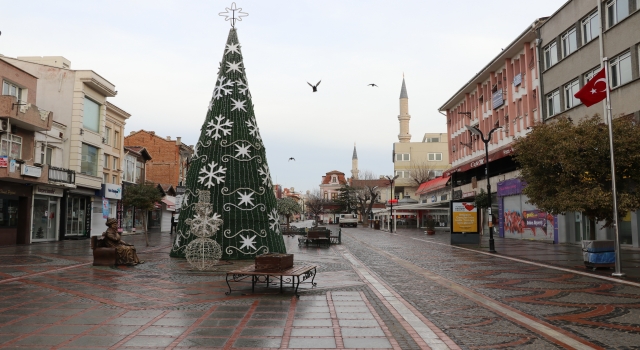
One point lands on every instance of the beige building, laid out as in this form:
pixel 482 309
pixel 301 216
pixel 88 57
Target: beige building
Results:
pixel 410 159
pixel 78 99
pixel 113 156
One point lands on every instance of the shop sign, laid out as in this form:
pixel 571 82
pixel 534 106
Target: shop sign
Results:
pixel 119 215
pixel 180 190
pixel 30 170
pixel 535 218
pixel 49 191
pixel 112 191
pixel 87 217
pixel 469 194
pixel 433 199
pixel 105 208
pixel 12 166
pixel 465 217
pixel 4 161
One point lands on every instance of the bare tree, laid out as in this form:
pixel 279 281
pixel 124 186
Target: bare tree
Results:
pixel 315 203
pixel 421 172
pixel 365 190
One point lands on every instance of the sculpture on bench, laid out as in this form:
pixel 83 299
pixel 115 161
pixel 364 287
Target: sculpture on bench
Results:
pixel 125 253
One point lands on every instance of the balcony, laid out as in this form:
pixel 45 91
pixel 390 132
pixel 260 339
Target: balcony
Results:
pixel 24 115
pixel 22 171
pixel 61 176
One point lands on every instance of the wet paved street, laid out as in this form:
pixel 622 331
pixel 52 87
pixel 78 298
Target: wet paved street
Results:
pixel 376 290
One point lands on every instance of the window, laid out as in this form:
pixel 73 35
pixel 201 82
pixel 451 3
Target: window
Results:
pixel 334 195
pixel 8 213
pixel 334 179
pixel 45 154
pixel 569 91
pixel 11 146
pixel 403 174
pixel 114 179
pixel 89 160
pixel 434 156
pixel 438 173
pixel 621 70
pixel 590 74
pixel 553 103
pixel 433 139
pixel 105 163
pixel 129 168
pixel 116 139
pixel 139 172
pixel 403 157
pixel 617 10
pixel 569 42
pixel 105 176
pixel 115 163
pixel 91 117
pixel 11 89
pixel 107 135
pixel 590 27
pixel 550 55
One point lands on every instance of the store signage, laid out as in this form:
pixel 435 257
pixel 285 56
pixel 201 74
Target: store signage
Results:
pixel 465 217
pixel 49 191
pixel 434 198
pixel 30 170
pixel 497 99
pixel 4 162
pixel 112 191
pixel 469 194
pixel 517 80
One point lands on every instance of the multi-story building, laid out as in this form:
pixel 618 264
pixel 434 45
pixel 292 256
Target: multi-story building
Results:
pixel 170 157
pixel 134 161
pixel 112 160
pixel 505 93
pixel 571 48
pixel 411 159
pixel 28 209
pixel 78 100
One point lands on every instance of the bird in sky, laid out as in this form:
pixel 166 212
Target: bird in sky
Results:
pixel 314 87
pixel 372 85
pixel 290 159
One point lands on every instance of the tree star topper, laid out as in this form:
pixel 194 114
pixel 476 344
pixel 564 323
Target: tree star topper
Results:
pixel 233 17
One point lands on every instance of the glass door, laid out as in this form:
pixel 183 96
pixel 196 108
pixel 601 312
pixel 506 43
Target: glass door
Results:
pixel 44 219
pixel 76 216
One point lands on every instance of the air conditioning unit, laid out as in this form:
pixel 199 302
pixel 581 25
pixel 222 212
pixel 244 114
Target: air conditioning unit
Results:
pixel 5 126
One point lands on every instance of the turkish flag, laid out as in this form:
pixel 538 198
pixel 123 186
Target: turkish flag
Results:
pixel 595 90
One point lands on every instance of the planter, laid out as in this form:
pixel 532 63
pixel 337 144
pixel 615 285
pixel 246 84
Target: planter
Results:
pixel 274 261
pixel 430 232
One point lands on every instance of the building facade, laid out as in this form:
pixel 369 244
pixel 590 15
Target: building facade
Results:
pixel 135 159
pixel 170 157
pixel 570 49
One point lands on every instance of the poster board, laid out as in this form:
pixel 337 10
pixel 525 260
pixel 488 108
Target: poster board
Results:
pixel 465 226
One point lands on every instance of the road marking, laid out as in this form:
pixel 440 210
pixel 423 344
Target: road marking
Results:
pixel 610 279
pixel 424 331
pixel 551 332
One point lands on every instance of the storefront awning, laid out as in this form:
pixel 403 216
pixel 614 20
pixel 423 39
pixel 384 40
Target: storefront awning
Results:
pixel 170 205
pixel 432 185
pixel 479 161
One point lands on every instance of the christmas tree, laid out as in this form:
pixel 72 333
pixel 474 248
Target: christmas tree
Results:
pixel 229 162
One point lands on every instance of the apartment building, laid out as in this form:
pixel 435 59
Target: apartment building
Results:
pixel 571 47
pixel 78 100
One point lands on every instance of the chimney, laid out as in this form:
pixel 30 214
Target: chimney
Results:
pixel 178 140
pixel 168 138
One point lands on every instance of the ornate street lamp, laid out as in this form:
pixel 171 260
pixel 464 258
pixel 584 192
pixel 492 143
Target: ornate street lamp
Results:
pixel 393 218
pixel 476 131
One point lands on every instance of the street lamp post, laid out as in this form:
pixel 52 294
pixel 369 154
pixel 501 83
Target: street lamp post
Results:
pixel 476 131
pixel 393 219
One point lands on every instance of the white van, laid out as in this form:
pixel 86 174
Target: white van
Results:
pixel 348 220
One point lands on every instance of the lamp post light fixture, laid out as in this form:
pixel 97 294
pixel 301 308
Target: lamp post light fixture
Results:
pixel 474 130
pixel 393 218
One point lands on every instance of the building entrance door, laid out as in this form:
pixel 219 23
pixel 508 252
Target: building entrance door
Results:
pixel 45 219
pixel 76 216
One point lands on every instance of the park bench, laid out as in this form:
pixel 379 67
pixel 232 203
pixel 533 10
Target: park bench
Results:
pixel 295 275
pixel 317 237
pixel 102 255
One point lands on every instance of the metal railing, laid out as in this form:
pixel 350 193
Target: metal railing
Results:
pixel 62 175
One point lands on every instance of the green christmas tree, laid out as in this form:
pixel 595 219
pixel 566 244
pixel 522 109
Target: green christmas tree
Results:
pixel 230 163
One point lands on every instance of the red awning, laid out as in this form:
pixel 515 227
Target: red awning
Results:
pixel 392 201
pixel 479 161
pixel 432 185
pixel 170 205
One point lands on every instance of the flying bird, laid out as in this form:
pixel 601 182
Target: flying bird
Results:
pixel 314 87
pixel 290 159
pixel 372 85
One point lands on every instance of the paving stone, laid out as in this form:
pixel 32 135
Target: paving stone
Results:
pixel 312 323
pixel 212 332
pixel 312 343
pixel 93 340
pixel 195 342
pixel 312 332
pixel 258 343
pixel 377 343
pixel 150 341
pixel 264 332
pixel 69 329
pixel 163 330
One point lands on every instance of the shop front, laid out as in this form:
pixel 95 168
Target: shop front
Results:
pixel 111 195
pixel 78 208
pixel 15 213
pixel 45 222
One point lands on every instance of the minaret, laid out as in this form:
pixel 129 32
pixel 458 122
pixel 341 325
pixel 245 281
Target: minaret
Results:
pixel 354 164
pixel 404 116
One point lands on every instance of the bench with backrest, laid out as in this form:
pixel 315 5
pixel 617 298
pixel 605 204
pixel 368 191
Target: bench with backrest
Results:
pixel 316 236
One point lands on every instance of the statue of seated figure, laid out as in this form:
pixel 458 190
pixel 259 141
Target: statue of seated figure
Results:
pixel 125 253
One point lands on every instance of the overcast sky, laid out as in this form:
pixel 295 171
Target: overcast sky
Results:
pixel 163 56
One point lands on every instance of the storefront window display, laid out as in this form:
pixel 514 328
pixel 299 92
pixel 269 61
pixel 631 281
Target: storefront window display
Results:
pixel 8 212
pixel 129 222
pixel 78 213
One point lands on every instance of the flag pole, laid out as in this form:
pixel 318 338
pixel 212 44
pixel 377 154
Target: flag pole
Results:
pixel 601 46
pixel 617 272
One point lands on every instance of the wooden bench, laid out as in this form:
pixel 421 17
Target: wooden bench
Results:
pixel 102 255
pixel 291 275
pixel 318 237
